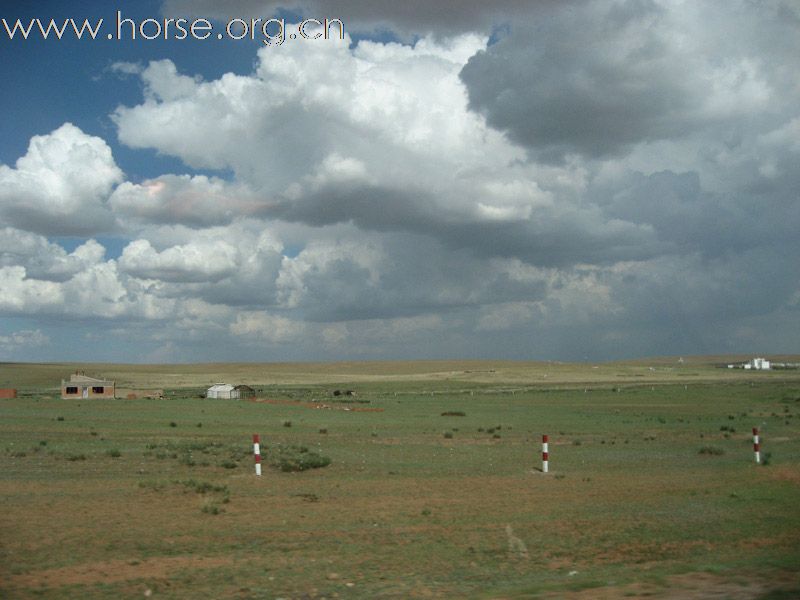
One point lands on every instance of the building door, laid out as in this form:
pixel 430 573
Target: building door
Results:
pixel 86 392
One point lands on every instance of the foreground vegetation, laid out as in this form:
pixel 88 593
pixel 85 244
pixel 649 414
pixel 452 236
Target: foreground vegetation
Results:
pixel 423 484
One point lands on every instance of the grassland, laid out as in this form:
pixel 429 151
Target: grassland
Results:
pixel 652 489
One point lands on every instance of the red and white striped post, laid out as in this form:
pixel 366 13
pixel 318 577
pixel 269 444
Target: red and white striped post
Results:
pixel 756 445
pixel 545 456
pixel 257 453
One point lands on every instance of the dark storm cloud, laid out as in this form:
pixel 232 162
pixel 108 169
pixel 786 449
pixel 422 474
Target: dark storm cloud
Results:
pixel 403 275
pixel 597 81
pixel 553 236
pixel 592 82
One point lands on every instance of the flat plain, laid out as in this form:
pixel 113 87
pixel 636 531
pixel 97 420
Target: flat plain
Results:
pixel 434 487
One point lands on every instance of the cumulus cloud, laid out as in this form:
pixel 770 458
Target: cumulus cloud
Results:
pixel 322 150
pixel 61 185
pixel 548 179
pixel 598 80
pixel 43 259
pixel 183 263
pixel 22 295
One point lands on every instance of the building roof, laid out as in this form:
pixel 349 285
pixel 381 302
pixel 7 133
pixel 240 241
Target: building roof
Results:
pixel 221 387
pixel 81 378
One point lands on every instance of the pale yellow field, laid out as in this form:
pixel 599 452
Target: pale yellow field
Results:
pixel 505 373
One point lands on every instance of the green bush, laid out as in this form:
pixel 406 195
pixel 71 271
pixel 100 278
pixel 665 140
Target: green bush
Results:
pixel 210 508
pixel 711 451
pixel 153 485
pixel 291 459
pixel 203 487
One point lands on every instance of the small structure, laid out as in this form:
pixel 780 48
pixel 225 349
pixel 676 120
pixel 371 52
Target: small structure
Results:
pixel 8 393
pixel 222 390
pixel 759 364
pixel 245 391
pixel 82 386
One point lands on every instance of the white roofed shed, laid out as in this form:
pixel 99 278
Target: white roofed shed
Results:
pixel 222 390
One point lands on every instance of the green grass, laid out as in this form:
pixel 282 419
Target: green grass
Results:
pixel 645 484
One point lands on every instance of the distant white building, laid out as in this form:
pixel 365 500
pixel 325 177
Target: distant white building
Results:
pixel 222 390
pixel 759 364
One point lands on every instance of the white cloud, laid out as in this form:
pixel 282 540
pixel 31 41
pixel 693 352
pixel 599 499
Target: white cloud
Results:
pixel 43 259
pixel 126 68
pixel 198 261
pixel 620 180
pixel 27 296
pixel 61 184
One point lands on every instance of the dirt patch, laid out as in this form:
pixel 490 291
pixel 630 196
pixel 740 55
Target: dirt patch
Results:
pixel 789 474
pixel 656 551
pixel 314 405
pixel 116 570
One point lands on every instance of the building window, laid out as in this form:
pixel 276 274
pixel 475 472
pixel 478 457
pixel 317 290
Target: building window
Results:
pixel 72 390
pixel 97 390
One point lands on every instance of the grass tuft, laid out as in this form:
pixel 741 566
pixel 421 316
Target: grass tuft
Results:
pixel 711 451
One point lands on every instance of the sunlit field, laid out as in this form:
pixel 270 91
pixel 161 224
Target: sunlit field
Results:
pixel 424 482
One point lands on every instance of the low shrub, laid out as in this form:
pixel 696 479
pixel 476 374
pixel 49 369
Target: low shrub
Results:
pixel 291 459
pixel 210 508
pixel 454 413
pixel 114 453
pixel 711 451
pixel 203 487
pixel 150 484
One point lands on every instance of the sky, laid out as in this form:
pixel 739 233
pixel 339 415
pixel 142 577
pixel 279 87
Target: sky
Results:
pixel 574 180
